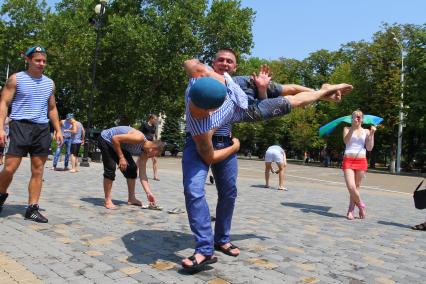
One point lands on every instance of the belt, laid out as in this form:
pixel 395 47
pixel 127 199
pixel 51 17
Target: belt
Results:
pixel 215 138
pixel 24 121
pixel 221 139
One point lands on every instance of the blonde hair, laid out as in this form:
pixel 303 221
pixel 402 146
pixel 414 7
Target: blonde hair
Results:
pixel 358 111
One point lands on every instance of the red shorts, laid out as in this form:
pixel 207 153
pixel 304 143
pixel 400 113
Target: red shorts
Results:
pixel 355 163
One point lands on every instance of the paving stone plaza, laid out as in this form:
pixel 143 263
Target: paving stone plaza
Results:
pixel 297 236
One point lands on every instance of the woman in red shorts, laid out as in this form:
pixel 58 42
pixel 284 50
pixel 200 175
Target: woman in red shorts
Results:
pixel 357 140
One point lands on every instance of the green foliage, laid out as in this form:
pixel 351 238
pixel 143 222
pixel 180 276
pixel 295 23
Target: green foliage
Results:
pixel 227 25
pixel 139 69
pixel 172 133
pixel 21 24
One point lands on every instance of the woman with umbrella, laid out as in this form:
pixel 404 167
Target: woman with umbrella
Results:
pixel 357 141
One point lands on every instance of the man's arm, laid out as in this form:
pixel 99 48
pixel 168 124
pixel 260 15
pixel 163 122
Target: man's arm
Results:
pixel 132 137
pixel 83 134
pixel 7 94
pixel 73 130
pixel 144 178
pixel 206 151
pixel 195 69
pixel 54 118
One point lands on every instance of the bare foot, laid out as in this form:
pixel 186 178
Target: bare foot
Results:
pixel 334 93
pixel 350 216
pixel 135 202
pixel 72 171
pixel 110 205
pixel 361 207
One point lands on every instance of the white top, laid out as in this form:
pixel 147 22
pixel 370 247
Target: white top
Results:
pixel 356 144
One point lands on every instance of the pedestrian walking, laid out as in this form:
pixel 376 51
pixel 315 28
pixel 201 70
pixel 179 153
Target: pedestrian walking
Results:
pixel 31 95
pixel 358 141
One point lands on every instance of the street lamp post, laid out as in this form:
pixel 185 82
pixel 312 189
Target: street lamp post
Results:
pixel 97 21
pixel 401 106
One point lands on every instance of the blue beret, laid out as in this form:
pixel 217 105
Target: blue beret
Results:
pixel 207 93
pixel 35 49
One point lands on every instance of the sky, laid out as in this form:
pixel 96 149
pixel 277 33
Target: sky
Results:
pixel 296 28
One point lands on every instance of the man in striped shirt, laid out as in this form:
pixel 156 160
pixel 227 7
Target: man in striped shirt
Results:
pixel 118 145
pixel 209 109
pixel 31 95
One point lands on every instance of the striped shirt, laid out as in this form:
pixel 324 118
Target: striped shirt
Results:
pixel 134 149
pixel 31 99
pixel 77 137
pixel 221 119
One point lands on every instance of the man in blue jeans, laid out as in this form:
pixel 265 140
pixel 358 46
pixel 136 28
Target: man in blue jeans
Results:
pixel 68 128
pixel 210 108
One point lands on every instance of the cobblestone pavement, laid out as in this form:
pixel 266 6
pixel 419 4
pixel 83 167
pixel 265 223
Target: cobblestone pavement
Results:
pixel 298 236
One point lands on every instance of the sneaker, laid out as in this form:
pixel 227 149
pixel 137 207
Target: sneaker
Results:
pixel 211 179
pixel 3 197
pixel 34 215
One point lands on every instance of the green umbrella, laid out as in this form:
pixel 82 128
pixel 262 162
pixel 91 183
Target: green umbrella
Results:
pixel 329 127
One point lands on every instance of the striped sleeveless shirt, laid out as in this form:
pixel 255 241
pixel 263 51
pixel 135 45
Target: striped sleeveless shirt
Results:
pixel 31 99
pixel 222 118
pixel 134 149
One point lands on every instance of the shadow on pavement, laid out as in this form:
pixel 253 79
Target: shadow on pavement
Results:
pixel 394 224
pixel 148 246
pixel 9 210
pixel 100 201
pixel 258 186
pixel 317 209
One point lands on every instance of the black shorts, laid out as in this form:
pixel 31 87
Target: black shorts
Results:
pixel 75 148
pixel 110 161
pixel 27 137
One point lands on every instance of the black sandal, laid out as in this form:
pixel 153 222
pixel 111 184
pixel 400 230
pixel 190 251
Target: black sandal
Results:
pixel 198 266
pixel 227 250
pixel 419 227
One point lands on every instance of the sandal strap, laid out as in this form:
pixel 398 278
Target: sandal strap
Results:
pixel 194 260
pixel 232 246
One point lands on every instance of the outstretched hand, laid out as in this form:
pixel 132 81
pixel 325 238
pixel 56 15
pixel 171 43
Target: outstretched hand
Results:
pixel 265 76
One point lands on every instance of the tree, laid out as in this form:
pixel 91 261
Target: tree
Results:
pixel 22 22
pixel 172 133
pixel 227 25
